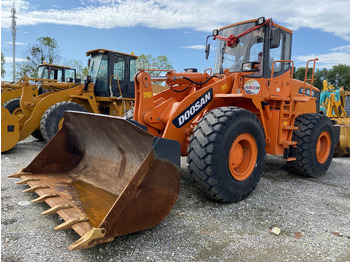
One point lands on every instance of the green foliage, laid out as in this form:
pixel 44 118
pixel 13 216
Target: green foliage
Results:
pixel 81 70
pixel 3 72
pixel 148 62
pixel 338 75
pixel 45 50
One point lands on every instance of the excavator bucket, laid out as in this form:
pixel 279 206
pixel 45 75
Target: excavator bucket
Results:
pixel 343 147
pixel 105 177
pixel 9 130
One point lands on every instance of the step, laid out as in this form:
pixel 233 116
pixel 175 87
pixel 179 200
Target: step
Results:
pixel 289 143
pixel 290 127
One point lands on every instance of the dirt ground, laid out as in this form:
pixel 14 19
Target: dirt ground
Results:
pixel 312 214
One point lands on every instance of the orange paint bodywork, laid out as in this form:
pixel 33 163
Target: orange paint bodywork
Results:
pixel 276 103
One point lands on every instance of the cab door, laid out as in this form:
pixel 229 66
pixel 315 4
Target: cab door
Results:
pixel 123 69
pixel 118 78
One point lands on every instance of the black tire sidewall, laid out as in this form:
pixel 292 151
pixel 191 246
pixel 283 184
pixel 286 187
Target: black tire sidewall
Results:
pixel 237 128
pixel 317 165
pixel 53 115
pixel 311 127
pixel 209 149
pixel 12 105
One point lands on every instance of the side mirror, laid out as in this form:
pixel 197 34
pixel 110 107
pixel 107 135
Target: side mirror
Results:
pixel 275 37
pixel 207 51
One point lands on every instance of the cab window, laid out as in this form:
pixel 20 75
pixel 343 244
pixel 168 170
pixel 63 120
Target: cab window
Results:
pixel 132 70
pixel 119 69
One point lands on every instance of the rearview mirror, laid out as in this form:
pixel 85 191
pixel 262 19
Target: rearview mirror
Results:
pixel 275 37
pixel 207 50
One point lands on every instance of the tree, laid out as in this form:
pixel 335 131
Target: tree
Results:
pixel 45 50
pixel 81 70
pixel 148 62
pixel 3 72
pixel 339 76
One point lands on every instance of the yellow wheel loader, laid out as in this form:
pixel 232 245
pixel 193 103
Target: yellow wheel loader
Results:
pixel 108 90
pixel 47 72
pixel 335 103
pixel 50 74
pixel 107 176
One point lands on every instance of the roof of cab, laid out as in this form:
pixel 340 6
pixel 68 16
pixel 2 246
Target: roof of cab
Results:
pixel 102 51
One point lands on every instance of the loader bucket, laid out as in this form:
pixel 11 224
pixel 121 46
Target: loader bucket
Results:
pixel 105 177
pixel 343 147
pixel 9 130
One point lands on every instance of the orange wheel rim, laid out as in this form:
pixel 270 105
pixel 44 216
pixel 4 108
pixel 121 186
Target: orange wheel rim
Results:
pixel 323 147
pixel 60 123
pixel 242 157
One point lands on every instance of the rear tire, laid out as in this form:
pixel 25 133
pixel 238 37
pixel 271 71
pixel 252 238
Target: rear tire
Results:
pixel 315 140
pixel 53 117
pixel 227 154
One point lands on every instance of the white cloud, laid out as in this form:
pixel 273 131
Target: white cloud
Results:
pixel 201 15
pixel 197 47
pixel 17 43
pixel 325 60
pixel 9 59
pixel 344 48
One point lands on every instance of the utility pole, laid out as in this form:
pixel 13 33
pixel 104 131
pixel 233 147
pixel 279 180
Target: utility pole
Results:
pixel 13 31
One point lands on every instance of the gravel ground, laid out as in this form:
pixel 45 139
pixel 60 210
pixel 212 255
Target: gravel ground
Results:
pixel 313 215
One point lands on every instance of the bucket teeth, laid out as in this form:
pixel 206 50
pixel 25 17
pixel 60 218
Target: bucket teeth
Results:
pixel 85 240
pixel 19 174
pixel 44 197
pixel 69 223
pixel 24 181
pixel 34 188
pixel 54 209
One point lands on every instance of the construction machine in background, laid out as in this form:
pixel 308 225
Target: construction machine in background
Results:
pixel 107 177
pixel 49 74
pixel 108 90
pixel 46 72
pixel 335 103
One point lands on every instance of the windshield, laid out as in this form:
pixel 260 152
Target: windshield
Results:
pixel 249 48
pixel 43 72
pixel 99 72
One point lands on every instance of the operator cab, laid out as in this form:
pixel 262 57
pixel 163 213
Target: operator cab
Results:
pixel 59 73
pixel 112 73
pixel 252 46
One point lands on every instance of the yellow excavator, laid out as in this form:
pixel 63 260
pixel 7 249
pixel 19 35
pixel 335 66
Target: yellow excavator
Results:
pixel 335 103
pixel 108 90
pixel 108 176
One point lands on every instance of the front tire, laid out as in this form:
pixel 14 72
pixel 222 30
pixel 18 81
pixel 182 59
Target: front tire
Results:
pixel 53 117
pixel 227 154
pixel 315 141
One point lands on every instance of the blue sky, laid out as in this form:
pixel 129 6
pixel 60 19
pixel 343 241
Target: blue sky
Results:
pixel 177 29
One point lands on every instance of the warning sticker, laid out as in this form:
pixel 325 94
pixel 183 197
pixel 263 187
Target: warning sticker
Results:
pixel 252 87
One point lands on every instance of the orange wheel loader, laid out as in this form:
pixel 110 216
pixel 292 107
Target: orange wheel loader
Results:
pixel 106 176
